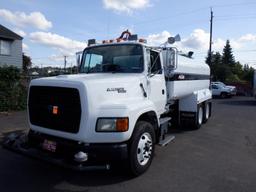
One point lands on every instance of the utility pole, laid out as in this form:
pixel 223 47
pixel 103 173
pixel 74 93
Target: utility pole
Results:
pixel 65 63
pixel 210 43
pixel 41 69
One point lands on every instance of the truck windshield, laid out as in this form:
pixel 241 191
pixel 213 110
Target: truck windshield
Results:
pixel 113 58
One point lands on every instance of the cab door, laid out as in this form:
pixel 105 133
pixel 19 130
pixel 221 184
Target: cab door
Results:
pixel 156 80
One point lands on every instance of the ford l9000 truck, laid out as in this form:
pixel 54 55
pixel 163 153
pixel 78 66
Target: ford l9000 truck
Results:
pixel 124 100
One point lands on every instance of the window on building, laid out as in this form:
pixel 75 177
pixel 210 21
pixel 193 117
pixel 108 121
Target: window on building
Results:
pixel 5 47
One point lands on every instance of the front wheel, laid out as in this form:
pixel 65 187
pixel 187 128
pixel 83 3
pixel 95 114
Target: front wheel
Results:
pixel 223 95
pixel 141 148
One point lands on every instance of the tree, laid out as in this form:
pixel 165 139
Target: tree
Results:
pixel 224 67
pixel 208 58
pixel 248 73
pixel 228 58
pixel 238 70
pixel 218 69
pixel 26 63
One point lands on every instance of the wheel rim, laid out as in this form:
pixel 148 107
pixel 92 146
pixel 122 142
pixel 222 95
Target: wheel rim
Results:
pixel 200 116
pixel 207 111
pixel 144 149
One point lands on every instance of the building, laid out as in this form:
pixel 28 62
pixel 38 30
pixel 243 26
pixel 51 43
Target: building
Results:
pixel 10 48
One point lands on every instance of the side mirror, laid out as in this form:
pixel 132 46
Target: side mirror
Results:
pixel 177 37
pixel 170 58
pixel 78 58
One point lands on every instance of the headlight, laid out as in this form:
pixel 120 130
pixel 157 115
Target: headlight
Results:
pixel 112 124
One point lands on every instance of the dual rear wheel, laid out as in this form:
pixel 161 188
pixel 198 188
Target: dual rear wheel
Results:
pixel 203 114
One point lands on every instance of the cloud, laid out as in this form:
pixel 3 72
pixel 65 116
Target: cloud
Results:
pixel 21 19
pixel 20 32
pixel 25 47
pixel 157 39
pixel 218 44
pixel 63 44
pixel 198 39
pixel 247 37
pixel 55 57
pixel 125 6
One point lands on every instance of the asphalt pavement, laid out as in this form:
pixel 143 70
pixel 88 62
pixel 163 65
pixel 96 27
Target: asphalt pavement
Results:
pixel 220 156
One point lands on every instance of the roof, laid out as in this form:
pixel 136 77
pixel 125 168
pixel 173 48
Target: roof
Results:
pixel 8 34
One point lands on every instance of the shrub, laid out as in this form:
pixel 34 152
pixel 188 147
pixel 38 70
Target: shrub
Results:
pixel 13 93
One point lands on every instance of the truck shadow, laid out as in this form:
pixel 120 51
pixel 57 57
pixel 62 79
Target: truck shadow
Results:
pixel 92 178
pixel 18 169
pixel 54 177
pixel 251 102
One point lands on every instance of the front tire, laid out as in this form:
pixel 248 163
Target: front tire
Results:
pixel 141 148
pixel 223 95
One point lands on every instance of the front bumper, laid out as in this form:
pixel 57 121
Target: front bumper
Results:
pixel 100 156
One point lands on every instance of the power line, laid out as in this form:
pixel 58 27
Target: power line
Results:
pixel 237 15
pixel 235 4
pixel 237 18
pixel 173 16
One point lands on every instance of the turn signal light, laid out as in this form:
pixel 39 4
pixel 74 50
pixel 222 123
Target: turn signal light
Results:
pixel 122 124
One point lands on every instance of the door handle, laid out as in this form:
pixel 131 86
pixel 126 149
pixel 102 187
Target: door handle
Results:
pixel 162 91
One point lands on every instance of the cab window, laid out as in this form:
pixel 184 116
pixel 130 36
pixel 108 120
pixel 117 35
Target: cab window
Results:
pixel 155 63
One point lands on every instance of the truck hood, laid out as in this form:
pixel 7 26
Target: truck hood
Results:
pixel 92 77
pixel 100 88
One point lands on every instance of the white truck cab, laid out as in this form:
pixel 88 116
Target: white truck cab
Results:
pixel 123 101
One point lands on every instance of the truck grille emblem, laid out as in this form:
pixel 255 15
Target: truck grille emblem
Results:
pixel 55 110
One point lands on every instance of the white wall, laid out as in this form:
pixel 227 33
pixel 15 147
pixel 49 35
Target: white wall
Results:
pixel 15 58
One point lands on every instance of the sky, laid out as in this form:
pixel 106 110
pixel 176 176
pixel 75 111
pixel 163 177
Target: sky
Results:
pixel 54 29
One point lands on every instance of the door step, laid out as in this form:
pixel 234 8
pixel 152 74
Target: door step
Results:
pixel 168 138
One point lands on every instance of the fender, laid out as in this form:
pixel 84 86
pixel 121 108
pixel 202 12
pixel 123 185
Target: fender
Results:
pixel 131 108
pixel 139 108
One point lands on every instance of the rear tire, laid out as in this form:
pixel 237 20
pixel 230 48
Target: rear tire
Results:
pixel 141 148
pixel 207 112
pixel 199 117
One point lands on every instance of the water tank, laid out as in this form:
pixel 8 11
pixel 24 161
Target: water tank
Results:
pixel 184 76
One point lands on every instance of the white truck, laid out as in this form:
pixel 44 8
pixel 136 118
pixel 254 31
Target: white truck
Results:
pixel 124 100
pixel 220 90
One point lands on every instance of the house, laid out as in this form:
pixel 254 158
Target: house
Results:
pixel 10 48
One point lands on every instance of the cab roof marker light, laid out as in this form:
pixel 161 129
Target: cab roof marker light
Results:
pixel 91 42
pixel 142 40
pixel 133 37
pixel 105 41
